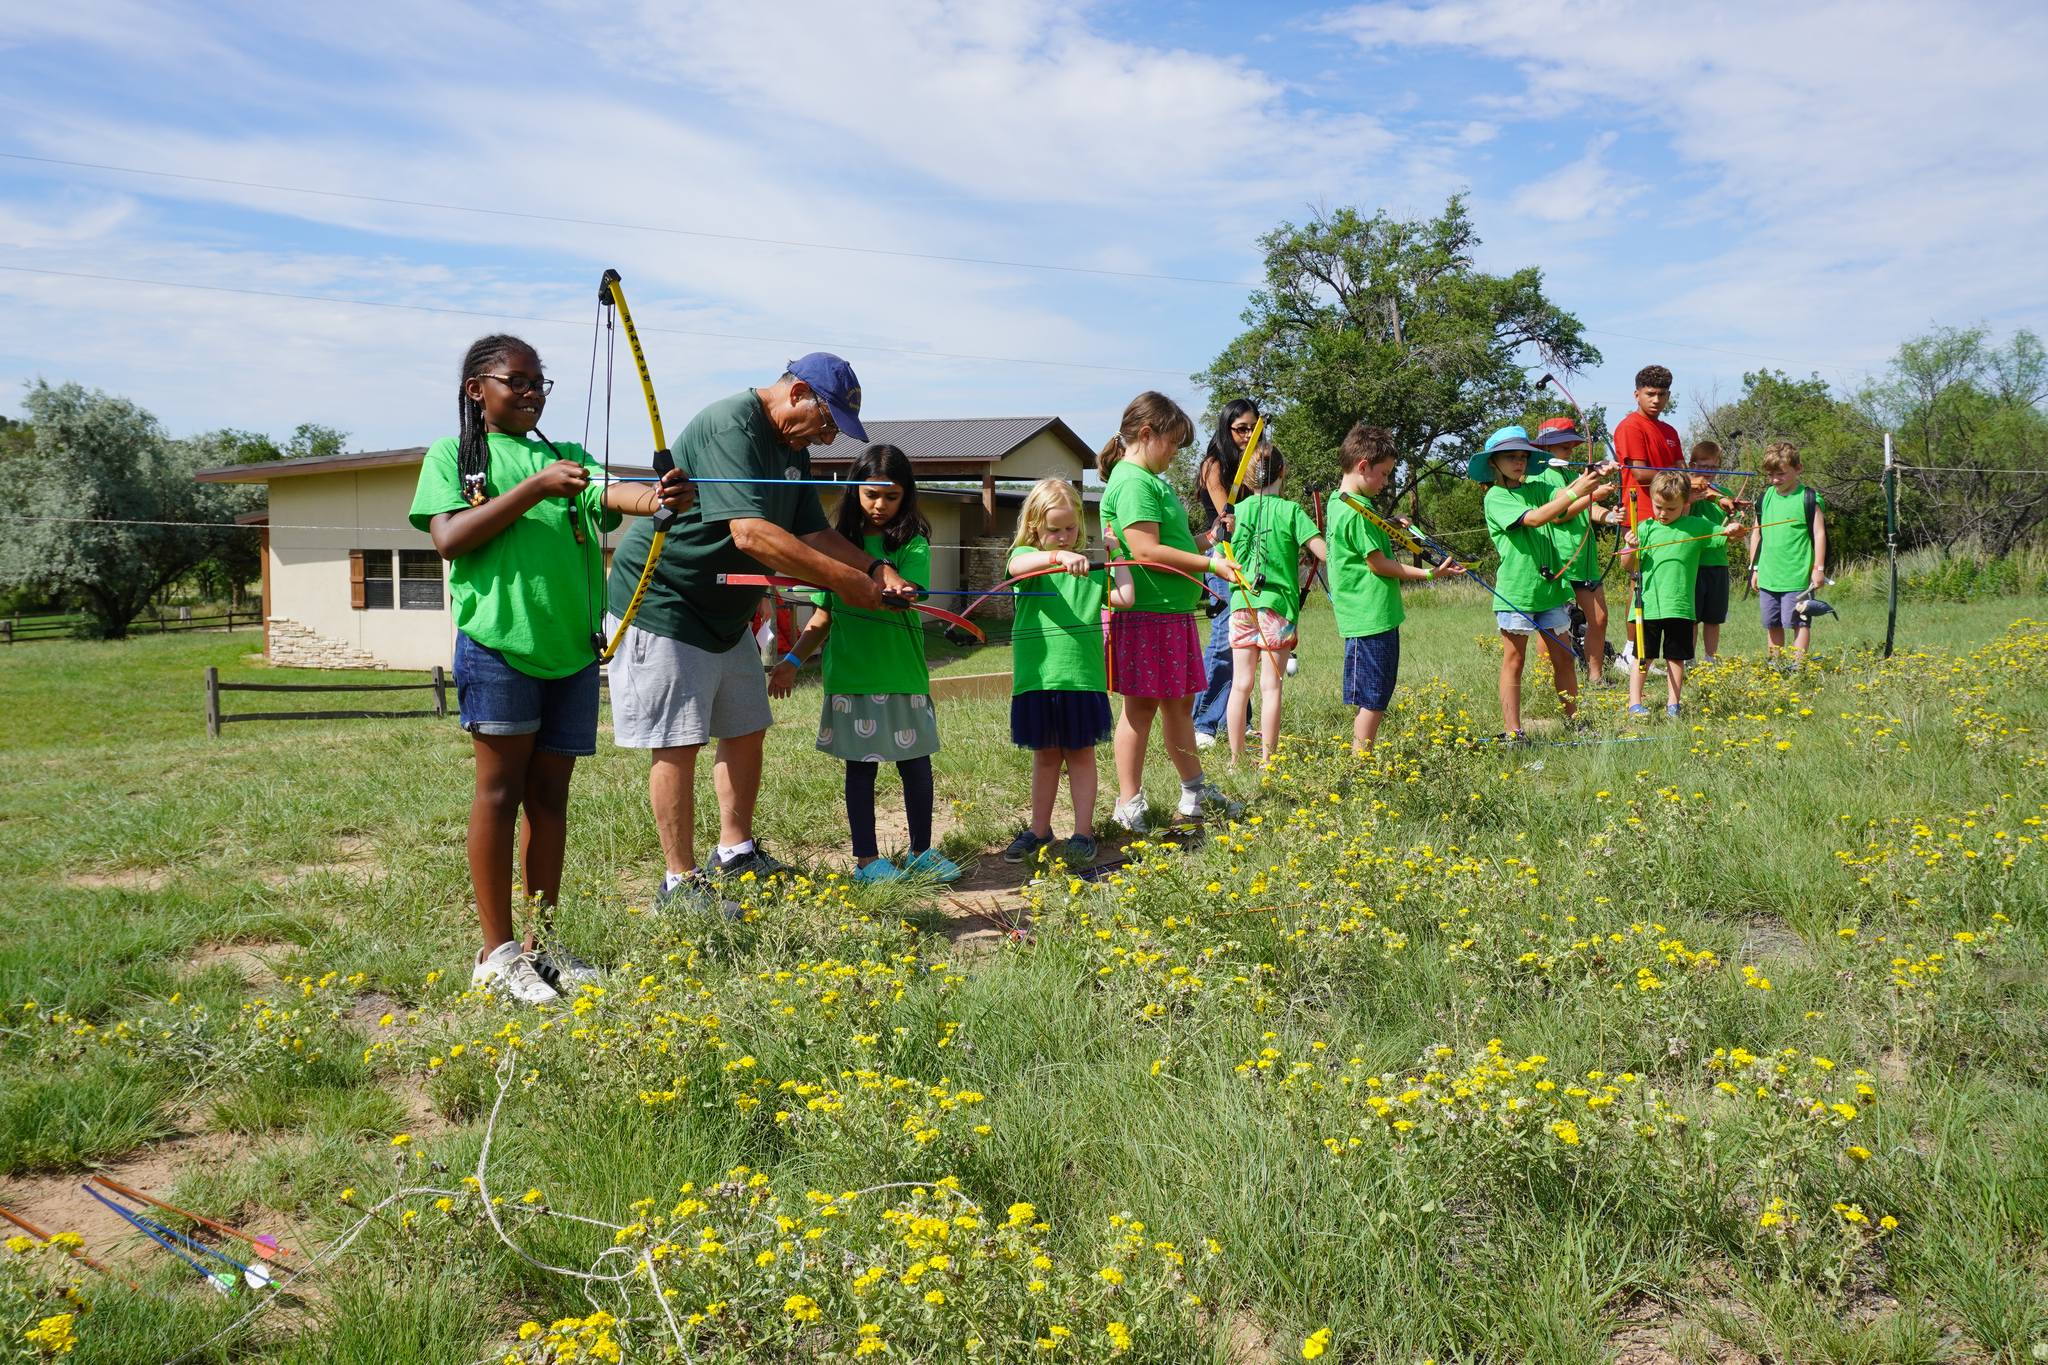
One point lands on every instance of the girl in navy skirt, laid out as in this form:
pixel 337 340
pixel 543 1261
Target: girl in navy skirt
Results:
pixel 1059 688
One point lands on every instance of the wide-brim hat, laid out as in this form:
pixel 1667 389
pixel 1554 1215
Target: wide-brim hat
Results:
pixel 1507 440
pixel 1558 431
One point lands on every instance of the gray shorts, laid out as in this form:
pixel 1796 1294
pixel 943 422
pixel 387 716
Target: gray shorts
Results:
pixel 1778 609
pixel 669 695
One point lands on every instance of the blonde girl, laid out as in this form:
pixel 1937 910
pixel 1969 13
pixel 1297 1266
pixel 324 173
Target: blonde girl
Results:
pixel 1155 653
pixel 1059 702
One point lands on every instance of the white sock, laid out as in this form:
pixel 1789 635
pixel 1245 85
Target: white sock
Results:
pixel 726 854
pixel 672 880
pixel 1192 785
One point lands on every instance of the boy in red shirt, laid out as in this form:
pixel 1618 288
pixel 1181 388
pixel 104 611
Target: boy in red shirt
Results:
pixel 1643 444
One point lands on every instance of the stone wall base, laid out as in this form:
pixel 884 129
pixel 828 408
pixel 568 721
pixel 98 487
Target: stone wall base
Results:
pixel 292 645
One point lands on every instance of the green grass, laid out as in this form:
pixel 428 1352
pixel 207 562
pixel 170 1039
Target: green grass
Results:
pixel 1844 862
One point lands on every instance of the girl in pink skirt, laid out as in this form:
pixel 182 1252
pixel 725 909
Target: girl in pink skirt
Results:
pixel 1155 652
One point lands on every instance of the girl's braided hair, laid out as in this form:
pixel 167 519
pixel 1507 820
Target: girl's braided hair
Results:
pixel 472 443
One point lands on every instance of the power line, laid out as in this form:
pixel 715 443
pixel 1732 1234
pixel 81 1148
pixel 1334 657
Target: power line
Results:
pixel 631 227
pixel 839 346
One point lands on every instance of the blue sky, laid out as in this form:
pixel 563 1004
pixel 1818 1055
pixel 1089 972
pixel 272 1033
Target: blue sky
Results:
pixel 1713 187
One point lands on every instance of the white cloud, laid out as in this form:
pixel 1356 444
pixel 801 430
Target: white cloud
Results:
pixel 1866 167
pixel 1582 190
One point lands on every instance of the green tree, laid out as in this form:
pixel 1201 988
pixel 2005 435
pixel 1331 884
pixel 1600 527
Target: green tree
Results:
pixel 104 471
pixel 1390 321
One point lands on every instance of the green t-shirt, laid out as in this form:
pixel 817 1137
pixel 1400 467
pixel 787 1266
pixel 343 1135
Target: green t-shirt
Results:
pixel 1670 558
pixel 1135 495
pixel 732 438
pixel 1267 540
pixel 530 592
pixel 1784 558
pixel 879 652
pixel 1365 603
pixel 1570 536
pixel 1715 555
pixel 1527 554
pixel 1056 641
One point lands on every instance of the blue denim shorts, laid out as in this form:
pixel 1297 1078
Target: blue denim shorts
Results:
pixel 497 699
pixel 1372 665
pixel 1556 621
pixel 1780 610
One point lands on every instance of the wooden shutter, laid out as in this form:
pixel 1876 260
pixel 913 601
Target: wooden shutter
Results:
pixel 355 579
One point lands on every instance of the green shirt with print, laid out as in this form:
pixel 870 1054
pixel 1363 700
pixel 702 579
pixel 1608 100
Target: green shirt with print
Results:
pixel 1784 558
pixel 1528 556
pixel 1135 495
pixel 732 439
pixel 1269 534
pixel 1570 536
pixel 530 592
pixel 1056 640
pixel 1365 603
pixel 1670 558
pixel 879 651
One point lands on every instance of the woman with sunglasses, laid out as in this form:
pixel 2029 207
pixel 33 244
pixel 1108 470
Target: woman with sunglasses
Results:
pixel 1212 484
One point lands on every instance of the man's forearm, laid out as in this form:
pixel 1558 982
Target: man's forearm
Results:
pixel 824 557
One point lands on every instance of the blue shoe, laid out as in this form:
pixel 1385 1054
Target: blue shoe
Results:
pixel 1672 711
pixel 880 870
pixel 1080 851
pixel 1639 712
pixel 934 866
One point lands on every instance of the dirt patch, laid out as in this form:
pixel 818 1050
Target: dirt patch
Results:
pixel 55 1203
pixel 1247 1342
pixel 127 879
pixel 367 1011
pixel 1768 938
pixel 422 1120
pixel 256 963
pixel 354 857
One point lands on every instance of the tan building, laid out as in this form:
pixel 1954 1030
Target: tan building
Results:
pixel 347 582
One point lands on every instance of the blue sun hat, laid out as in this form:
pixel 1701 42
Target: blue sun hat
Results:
pixel 1480 469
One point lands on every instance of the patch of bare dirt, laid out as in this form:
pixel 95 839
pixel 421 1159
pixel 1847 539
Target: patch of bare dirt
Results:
pixel 1768 938
pixel 127 879
pixel 422 1120
pixel 354 857
pixel 56 1203
pixel 1247 1342
pixel 255 962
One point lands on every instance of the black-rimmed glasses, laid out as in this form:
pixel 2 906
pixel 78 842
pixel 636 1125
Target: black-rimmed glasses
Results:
pixel 521 384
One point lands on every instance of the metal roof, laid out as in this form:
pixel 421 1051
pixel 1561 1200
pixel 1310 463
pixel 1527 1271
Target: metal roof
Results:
pixel 971 439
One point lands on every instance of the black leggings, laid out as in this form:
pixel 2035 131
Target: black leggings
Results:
pixel 917 803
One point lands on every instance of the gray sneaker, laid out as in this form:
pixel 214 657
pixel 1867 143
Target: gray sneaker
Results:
pixel 563 970
pixel 1134 815
pixel 755 860
pixel 1210 797
pixel 695 894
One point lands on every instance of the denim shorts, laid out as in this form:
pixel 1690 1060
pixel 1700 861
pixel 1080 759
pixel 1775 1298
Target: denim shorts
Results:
pixel 1555 621
pixel 497 699
pixel 1372 665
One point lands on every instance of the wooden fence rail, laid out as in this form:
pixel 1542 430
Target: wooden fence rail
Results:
pixel 14 630
pixel 214 687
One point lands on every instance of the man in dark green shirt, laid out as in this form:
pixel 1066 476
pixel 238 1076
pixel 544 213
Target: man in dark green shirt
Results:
pixel 687 671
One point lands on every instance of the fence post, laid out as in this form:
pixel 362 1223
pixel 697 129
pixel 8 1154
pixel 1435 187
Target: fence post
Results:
pixel 213 703
pixel 7 631
pixel 1891 543
pixel 440 691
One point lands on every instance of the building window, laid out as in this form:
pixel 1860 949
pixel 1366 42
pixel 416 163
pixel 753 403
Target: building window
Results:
pixel 419 580
pixel 369 580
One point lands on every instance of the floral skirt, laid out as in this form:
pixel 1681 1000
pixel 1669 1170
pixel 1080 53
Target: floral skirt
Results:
pixel 1155 654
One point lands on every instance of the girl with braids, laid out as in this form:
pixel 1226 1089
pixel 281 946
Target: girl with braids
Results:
pixel 1155 654
pixel 519 521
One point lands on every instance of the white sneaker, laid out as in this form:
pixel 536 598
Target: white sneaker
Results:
pixel 1133 815
pixel 509 970
pixel 1209 794
pixel 1293 665
pixel 1204 740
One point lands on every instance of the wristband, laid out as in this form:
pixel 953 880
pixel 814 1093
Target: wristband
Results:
pixel 794 662
pixel 1428 573
pixel 873 564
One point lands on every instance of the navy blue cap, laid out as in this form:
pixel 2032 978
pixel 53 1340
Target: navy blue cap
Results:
pixel 834 381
